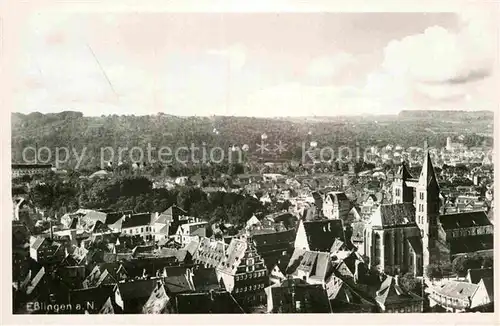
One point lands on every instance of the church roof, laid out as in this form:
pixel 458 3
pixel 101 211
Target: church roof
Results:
pixel 464 220
pixel 397 214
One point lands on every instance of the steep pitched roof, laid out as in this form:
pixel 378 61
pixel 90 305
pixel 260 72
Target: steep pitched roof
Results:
pixel 322 234
pixel 471 244
pixel 38 243
pixel 157 302
pixel 205 279
pixel 427 175
pixel 177 284
pixel 136 220
pixel 488 284
pixel 112 217
pixel 137 289
pixel 403 172
pixel 97 295
pixel 234 254
pixel 34 283
pixel 207 303
pixel 457 289
pixel 392 215
pixel 464 220
pixel 475 275
pixel 391 293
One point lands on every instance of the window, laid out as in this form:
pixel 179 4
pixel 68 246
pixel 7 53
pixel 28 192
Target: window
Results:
pixel 422 196
pixel 142 230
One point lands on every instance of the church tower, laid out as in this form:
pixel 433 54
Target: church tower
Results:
pixel 401 192
pixel 427 209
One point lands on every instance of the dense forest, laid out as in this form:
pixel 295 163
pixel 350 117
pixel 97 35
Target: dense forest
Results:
pixel 57 195
pixel 76 132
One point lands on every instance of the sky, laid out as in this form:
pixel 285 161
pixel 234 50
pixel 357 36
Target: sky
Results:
pixel 256 64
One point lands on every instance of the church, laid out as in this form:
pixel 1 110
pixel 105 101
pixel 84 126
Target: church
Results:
pixel 411 233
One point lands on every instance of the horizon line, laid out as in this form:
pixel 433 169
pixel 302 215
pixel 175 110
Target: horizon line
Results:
pixel 261 117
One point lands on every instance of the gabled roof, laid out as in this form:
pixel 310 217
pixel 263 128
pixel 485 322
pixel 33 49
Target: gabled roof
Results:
pixel 216 302
pixel 234 254
pixel 110 307
pixel 33 283
pixel 457 290
pixel 403 172
pixel 322 234
pixel 136 220
pixel 205 279
pixel 471 244
pixel 97 295
pixel 170 214
pixel 475 275
pixel 112 217
pixel 137 289
pixel 273 238
pixel 192 247
pixel 464 220
pixel 38 243
pixel 158 301
pixel 177 284
pixel 488 284
pixel 316 264
pixel 391 293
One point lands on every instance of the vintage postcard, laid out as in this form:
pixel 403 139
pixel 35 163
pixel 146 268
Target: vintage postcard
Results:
pixel 286 163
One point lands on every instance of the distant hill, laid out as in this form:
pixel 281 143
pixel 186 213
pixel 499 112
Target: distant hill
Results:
pixel 73 130
pixel 446 115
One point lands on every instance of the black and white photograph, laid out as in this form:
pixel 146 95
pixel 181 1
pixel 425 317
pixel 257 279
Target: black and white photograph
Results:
pixel 267 162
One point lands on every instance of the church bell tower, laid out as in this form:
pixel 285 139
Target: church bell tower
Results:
pixel 427 209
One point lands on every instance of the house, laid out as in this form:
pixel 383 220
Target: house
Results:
pixel 138 224
pixel 210 252
pixel 243 273
pixel 273 245
pixel 296 296
pixel 344 298
pixel 369 204
pixel 312 267
pixel 90 300
pixel 158 302
pixel 131 296
pixel 458 296
pixel 46 251
pixel 357 237
pixel 477 274
pixel 190 231
pixel 106 273
pixel 336 205
pixel 391 298
pixel 319 235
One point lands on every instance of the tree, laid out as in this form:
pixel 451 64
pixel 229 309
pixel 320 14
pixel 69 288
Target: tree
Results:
pixel 462 264
pixel 408 282
pixel 434 271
